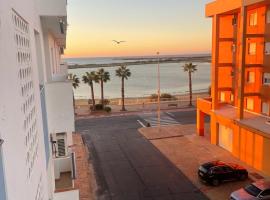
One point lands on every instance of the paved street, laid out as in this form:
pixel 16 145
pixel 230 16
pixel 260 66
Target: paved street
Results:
pixel 129 167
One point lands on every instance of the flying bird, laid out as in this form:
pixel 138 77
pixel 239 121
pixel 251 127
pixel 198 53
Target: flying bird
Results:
pixel 118 42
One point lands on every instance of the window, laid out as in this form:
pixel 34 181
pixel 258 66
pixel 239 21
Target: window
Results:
pixel 251 77
pixel 61 147
pixel 222 97
pixel 227 169
pixel 265 108
pixel 250 104
pixel 253 20
pixel 265 193
pixel 267 48
pixel 216 170
pixel 266 78
pixel 268 17
pixel 252 48
pixel 232 97
pixel 61 144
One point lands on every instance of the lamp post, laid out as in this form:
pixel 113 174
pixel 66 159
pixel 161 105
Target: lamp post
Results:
pixel 158 77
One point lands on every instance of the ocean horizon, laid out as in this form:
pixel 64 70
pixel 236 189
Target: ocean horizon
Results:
pixel 143 81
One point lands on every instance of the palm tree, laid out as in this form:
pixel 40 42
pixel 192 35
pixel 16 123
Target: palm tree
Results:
pixel 190 68
pixel 89 78
pixel 124 73
pixel 75 80
pixel 75 83
pixel 102 77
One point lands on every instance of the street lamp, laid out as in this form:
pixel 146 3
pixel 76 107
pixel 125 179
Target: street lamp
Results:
pixel 158 76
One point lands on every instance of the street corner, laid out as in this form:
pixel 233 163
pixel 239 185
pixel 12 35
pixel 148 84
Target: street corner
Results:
pixel 188 152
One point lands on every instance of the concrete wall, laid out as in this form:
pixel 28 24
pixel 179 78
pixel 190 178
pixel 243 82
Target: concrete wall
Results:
pixel 18 184
pixel 62 165
pixel 59 102
pixel 34 180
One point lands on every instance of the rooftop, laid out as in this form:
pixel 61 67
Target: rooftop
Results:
pixel 224 6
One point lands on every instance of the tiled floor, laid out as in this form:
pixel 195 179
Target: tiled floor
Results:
pixel 189 151
pixel 65 181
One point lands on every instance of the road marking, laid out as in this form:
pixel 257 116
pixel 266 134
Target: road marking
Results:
pixel 164 121
pixel 141 123
pixel 172 115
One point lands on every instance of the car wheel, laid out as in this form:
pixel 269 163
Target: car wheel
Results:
pixel 243 177
pixel 215 182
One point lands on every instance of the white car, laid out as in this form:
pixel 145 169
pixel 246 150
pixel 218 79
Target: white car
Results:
pixel 259 190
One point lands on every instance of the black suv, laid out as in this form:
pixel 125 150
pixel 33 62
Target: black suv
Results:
pixel 217 172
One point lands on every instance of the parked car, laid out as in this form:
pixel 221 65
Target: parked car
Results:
pixel 217 172
pixel 259 190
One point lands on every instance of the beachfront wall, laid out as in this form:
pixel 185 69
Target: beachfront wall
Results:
pixel 240 86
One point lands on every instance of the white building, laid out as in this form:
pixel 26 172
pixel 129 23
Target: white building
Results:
pixel 36 103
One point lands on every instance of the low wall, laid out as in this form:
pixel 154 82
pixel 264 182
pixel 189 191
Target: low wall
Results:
pixel 68 195
pixel 62 165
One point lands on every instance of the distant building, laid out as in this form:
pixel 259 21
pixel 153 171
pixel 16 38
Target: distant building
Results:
pixel 36 102
pixel 240 104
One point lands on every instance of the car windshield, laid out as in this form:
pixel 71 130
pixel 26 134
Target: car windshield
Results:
pixel 252 190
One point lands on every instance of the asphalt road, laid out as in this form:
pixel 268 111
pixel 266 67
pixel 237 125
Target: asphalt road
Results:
pixel 129 167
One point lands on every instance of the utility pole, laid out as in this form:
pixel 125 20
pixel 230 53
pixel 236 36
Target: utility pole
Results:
pixel 158 77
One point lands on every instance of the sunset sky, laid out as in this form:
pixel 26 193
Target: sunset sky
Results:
pixel 170 26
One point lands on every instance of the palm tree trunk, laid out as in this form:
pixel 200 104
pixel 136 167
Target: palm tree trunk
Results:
pixel 123 95
pixel 190 89
pixel 102 93
pixel 74 103
pixel 93 97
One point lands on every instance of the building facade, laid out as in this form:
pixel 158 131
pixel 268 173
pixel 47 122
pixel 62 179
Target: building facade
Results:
pixel 239 106
pixel 36 104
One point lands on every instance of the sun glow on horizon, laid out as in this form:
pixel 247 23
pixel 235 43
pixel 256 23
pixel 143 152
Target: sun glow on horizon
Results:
pixel 169 28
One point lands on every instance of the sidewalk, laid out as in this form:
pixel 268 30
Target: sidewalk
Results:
pixel 85 180
pixel 188 151
pixel 83 111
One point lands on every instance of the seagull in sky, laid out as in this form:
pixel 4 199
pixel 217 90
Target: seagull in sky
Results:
pixel 118 42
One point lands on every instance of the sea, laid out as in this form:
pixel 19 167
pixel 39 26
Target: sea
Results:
pixel 143 81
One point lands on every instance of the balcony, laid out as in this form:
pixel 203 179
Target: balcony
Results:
pixel 59 104
pixel 252 121
pixel 64 171
pixel 265 91
pixel 52 7
pixel 57 26
pixel 62 74
pixel 204 105
pixel 54 18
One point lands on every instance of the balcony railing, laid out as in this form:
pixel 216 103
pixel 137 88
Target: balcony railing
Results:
pixel 204 104
pixel 59 104
pixel 62 74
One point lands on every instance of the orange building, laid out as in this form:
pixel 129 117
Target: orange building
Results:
pixel 239 106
